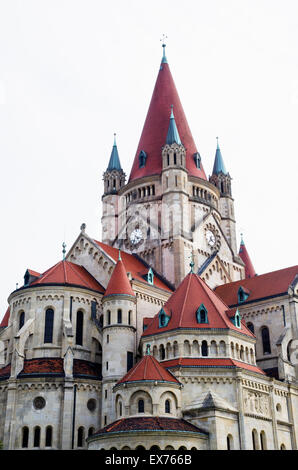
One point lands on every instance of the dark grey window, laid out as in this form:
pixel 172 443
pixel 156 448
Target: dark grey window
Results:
pixel 49 324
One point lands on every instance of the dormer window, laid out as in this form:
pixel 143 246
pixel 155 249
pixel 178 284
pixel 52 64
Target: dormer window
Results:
pixel 237 319
pixel 197 159
pixel 163 318
pixel 142 159
pixel 150 277
pixel 242 295
pixel 202 314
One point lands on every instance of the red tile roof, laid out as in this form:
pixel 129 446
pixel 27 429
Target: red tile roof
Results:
pixel 4 321
pixel 243 253
pixel 155 129
pixel 119 283
pixel 43 366
pixel 149 423
pixel 132 264
pixel 211 362
pixel 148 368
pixel 33 273
pixel 5 372
pixel 54 366
pixel 86 368
pixel 68 273
pixel 182 306
pixel 259 287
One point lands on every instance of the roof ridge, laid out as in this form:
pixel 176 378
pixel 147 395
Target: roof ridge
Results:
pixel 211 300
pixel 49 271
pixel 184 301
pixel 156 368
pixel 71 266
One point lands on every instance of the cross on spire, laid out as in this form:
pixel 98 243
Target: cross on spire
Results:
pixel 163 39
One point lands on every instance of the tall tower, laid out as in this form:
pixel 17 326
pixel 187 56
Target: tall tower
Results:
pixel 222 180
pixel 169 211
pixel 114 179
pixel 119 330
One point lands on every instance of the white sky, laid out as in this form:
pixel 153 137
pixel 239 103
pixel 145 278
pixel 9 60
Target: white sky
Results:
pixel 73 72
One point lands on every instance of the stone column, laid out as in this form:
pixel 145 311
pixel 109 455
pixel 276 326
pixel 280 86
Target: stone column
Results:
pixel 242 436
pixel 9 425
pixel 274 424
pixel 67 416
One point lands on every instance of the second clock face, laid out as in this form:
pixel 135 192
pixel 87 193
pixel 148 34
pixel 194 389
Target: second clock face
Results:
pixel 136 236
pixel 211 239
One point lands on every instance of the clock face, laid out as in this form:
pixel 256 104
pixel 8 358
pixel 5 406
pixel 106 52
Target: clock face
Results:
pixel 211 240
pixel 136 236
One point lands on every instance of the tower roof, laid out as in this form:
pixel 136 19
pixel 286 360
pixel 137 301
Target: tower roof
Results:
pixel 181 309
pixel 119 283
pixel 66 272
pixel 219 166
pixel 156 126
pixel 173 134
pixel 243 253
pixel 114 163
pixel 148 369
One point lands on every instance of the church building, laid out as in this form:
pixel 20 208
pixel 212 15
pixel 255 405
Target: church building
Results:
pixel 161 335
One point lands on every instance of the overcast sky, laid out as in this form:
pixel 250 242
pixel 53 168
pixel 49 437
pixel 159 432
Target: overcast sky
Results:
pixel 73 72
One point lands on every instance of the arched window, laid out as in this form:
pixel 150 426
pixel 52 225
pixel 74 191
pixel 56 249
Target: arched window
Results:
pixel 49 324
pixel 79 327
pixel 129 317
pixel 167 406
pixel 202 314
pixel 90 432
pixel 25 437
pixel 108 317
pixel 142 159
pixel 141 406
pixel 255 442
pixel 21 320
pixel 204 348
pixel 162 353
pixel 251 327
pixel 80 437
pixel 175 159
pixel 49 433
pixel 197 159
pixel 263 440
pixel 119 316
pixel 266 340
pixel 120 408
pixel 36 442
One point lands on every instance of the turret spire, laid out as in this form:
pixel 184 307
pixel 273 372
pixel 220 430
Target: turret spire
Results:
pixel 173 134
pixel 219 166
pixel 114 163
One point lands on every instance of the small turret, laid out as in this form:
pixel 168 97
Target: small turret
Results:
pixel 114 176
pixel 114 180
pixel 119 330
pixel 222 180
pixel 220 176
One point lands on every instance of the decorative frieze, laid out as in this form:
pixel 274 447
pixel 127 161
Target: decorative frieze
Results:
pixel 256 403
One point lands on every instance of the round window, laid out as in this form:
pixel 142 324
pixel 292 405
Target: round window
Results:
pixel 39 403
pixel 91 404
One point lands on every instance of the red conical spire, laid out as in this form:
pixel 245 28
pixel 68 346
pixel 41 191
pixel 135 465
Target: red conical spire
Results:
pixel 243 253
pixel 156 126
pixel 119 283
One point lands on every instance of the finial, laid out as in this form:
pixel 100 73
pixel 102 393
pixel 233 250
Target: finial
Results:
pixel 63 250
pixel 119 255
pixel 148 349
pixel 115 139
pixel 191 264
pixel 242 241
pixel 83 227
pixel 163 39
pixel 217 142
pixel 17 286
